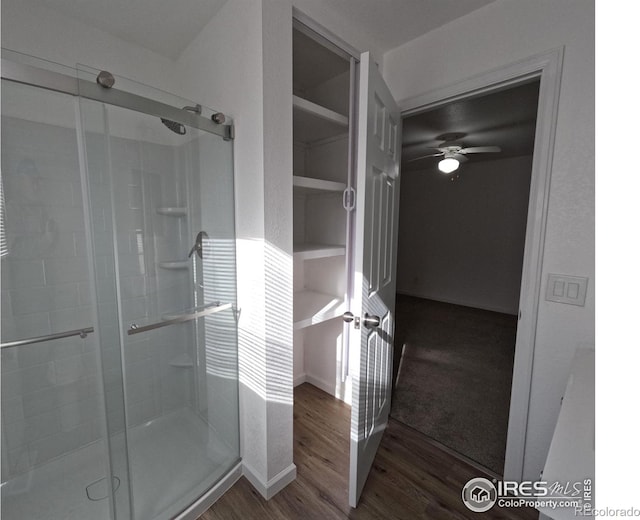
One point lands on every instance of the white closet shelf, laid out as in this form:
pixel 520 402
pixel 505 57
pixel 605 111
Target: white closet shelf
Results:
pixel 312 122
pixel 317 185
pixel 313 251
pixel 311 307
pixel 172 211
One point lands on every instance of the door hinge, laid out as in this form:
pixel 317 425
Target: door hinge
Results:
pixel 349 198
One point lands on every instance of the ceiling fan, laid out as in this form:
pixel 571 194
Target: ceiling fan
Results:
pixel 452 152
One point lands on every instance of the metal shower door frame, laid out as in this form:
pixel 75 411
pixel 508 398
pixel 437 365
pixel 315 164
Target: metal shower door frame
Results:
pixel 56 81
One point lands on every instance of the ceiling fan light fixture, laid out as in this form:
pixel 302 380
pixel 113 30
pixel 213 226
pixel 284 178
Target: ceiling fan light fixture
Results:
pixel 448 165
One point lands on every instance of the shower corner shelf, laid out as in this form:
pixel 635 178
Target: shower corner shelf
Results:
pixel 174 266
pixel 172 211
pixel 181 361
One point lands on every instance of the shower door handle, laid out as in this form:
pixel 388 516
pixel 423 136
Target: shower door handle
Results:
pixel 180 318
pixel 49 337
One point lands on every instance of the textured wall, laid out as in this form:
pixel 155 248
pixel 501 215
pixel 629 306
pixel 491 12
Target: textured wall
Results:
pixel 241 62
pixel 462 242
pixel 501 33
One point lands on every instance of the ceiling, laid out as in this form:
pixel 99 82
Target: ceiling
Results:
pixel 506 118
pixel 164 26
pixel 391 23
pixel 169 26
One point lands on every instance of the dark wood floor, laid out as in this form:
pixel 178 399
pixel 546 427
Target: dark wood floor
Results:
pixel 411 477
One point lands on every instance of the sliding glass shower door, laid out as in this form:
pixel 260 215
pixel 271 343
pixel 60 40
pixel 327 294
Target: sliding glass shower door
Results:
pixel 117 228
pixel 54 443
pixel 161 196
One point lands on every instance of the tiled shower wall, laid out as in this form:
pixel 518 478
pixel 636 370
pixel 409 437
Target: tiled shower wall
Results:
pixel 51 395
pixel 52 392
pixel 145 177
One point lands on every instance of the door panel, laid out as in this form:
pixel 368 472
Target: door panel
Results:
pixel 163 202
pixel 378 188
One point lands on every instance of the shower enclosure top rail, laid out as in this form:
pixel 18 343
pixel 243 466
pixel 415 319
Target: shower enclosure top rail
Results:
pixel 40 339
pixel 56 81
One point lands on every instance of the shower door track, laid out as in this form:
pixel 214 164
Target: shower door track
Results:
pixel 50 80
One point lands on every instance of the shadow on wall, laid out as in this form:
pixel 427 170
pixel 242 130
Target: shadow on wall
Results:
pixel 265 339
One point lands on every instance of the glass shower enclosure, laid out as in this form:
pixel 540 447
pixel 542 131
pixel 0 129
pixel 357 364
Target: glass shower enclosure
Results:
pixel 119 319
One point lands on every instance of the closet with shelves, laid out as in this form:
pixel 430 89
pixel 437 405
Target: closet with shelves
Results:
pixel 322 101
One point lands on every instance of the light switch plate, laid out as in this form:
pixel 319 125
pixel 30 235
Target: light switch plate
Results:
pixel 567 289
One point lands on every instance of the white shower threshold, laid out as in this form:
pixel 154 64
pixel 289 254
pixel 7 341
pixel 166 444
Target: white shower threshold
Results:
pixel 174 460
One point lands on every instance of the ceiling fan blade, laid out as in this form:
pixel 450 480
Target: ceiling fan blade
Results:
pixel 420 148
pixel 437 154
pixel 481 149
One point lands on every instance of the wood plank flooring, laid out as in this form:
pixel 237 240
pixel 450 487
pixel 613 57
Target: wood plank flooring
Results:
pixel 411 477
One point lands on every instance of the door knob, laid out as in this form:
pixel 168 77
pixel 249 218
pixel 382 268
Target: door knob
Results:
pixel 370 321
pixel 348 317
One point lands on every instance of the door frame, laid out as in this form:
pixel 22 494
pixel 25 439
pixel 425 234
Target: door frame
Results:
pixel 547 67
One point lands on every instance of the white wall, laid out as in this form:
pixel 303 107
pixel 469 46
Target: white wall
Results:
pixel 322 14
pixel 241 59
pixel 462 242
pixel 44 33
pixel 499 34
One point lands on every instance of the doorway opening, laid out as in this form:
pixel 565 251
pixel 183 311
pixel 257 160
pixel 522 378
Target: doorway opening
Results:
pixel 323 91
pixel 461 244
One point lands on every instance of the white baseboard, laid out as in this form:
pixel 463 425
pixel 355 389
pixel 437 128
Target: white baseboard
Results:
pixel 339 392
pixel 464 303
pixel 198 508
pixel 330 388
pixel 274 485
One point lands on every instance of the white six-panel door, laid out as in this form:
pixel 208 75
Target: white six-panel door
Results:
pixel 378 189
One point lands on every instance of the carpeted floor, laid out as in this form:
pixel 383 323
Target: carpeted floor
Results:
pixel 454 383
